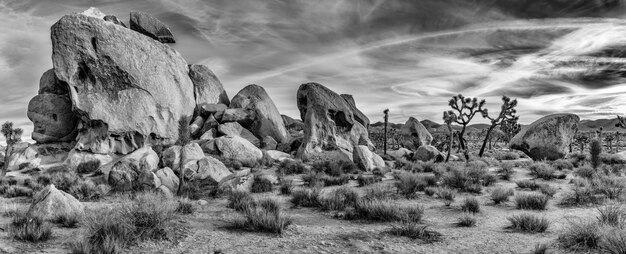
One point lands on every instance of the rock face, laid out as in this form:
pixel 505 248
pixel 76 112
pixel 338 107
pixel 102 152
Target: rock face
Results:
pixel 267 120
pixel 292 124
pixel 150 26
pixel 239 149
pixel 49 203
pixel 168 179
pixel 419 134
pixel 21 157
pixel 358 115
pixel 114 20
pixel 207 88
pixel 75 158
pixel 330 131
pixel 547 138
pixel 211 169
pixel 50 84
pixel 127 89
pixel 171 156
pixel 53 118
pixel 427 153
pixel 366 159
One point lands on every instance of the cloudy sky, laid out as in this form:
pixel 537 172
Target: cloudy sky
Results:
pixel 409 56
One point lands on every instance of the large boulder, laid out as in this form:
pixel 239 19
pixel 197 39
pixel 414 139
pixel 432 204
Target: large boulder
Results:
pixel 278 155
pixel 418 134
pixel 358 115
pixel 547 138
pixel 50 203
pixel 211 169
pixel 267 120
pixel 150 26
pixel 329 124
pixel 366 159
pixel 241 180
pixel 230 129
pixel 427 153
pixel 123 175
pixel 168 179
pixel 240 115
pixel 52 118
pixel 144 159
pixel 50 84
pixel 239 149
pixel 292 124
pixel 207 109
pixel 401 153
pixel 114 20
pixel 171 156
pixel 207 88
pixel 127 89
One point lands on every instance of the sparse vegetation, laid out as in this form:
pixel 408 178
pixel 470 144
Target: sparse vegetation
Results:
pixel 611 215
pixel 185 206
pixel 531 201
pixel 31 229
pixel 501 195
pixel 446 194
pixel 266 217
pixel 580 236
pixel 467 220
pixel 529 223
pixel 306 197
pixel 261 184
pixel 290 167
pixel 471 204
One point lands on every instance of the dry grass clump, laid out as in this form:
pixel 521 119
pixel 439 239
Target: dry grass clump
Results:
pixel 467 220
pixel 384 210
pixel 306 197
pixel 286 187
pixel 448 195
pixel 261 184
pixel 339 199
pixel 471 205
pixel 611 215
pixel 265 216
pixel 501 195
pixel 416 231
pixel 290 167
pixel 527 184
pixel 409 184
pixel 185 206
pixel 542 170
pixel 365 180
pixel 528 223
pixel 581 195
pixel 30 229
pixel 68 220
pixel 239 199
pixel 531 201
pixel 580 236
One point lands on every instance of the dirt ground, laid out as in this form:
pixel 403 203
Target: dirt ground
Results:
pixel 313 231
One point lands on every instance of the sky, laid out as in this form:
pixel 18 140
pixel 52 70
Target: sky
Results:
pixel 410 56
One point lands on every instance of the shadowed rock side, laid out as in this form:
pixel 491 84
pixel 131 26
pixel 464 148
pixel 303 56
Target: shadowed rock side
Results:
pixel 330 131
pixel 132 88
pixel 547 138
pixel 150 26
pixel 358 115
pixel 267 120
pixel 207 87
pixel 419 135
pixel 52 118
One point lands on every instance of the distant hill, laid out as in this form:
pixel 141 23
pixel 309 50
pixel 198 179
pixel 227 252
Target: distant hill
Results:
pixel 606 124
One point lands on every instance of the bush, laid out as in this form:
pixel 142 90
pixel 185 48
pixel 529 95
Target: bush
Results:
pixel 506 156
pixel 562 164
pixel 265 217
pixel 151 215
pixel 68 220
pixel 306 197
pixel 446 194
pixel 547 190
pixel 261 184
pixel 614 242
pixel 10 181
pixel 290 167
pixel 416 231
pixel 506 171
pixel 471 204
pixel 595 148
pixel 339 199
pixel 611 215
pixel 430 191
pixel 286 187
pixel 86 190
pixel 581 235
pixel 611 187
pixel 88 167
pixel 384 210
pixel 185 206
pixel 467 220
pixel 580 196
pixel 63 180
pixel 542 170
pixel 540 248
pixel 35 186
pixel 408 184
pixel 585 172
pixel 322 179
pixel 379 191
pixel 364 180
pixel 18 191
pixel 612 159
pixel 108 231
pixel 239 200
pixel 528 223
pixel 31 229
pixel 527 184
pixel 501 195
pixel 531 201
pixel 336 168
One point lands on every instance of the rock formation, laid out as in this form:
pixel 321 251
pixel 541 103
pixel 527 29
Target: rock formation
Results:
pixel 418 133
pixel 547 138
pixel 358 115
pixel 207 88
pixel 267 120
pixel 50 203
pixel 150 26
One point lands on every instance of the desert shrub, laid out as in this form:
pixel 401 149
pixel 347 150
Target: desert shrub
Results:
pixel 611 187
pixel 501 195
pixel 542 170
pixel 231 163
pixel 261 184
pixel 64 180
pixel 416 231
pixel 528 223
pixel 562 164
pixel 585 172
pixel 290 167
pixel 466 220
pixel 239 200
pixel 31 229
pixel 151 215
pixel 446 194
pixel 595 149
pixel 612 159
pixel 339 199
pixel 477 165
pixel 612 215
pixel 10 181
pixel 185 206
pixel 532 201
pixel 427 166
pixel 108 231
pixel 506 171
pixel 88 167
pixel 3 189
pixel 35 186
pixel 471 204
pixel 68 220
pixel 266 217
pixel 408 184
pixel 321 179
pixel 527 184
pixel 286 187
pixel 547 190
pixel 306 197
pixel 86 190
pixel 335 168
pixel 365 180
pixel 384 210
pixel 581 235
pixel 577 158
pixel 540 248
pixel 430 191
pixel 580 196
pixel 614 242
pixel 379 191
pixel 506 156
pixel 18 191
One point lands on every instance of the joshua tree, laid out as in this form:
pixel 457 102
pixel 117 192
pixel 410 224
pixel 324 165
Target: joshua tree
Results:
pixel 449 117
pixel 507 113
pixel 12 136
pixel 184 138
pixel 595 148
pixel 510 129
pixel 464 110
pixel 617 141
pixel 608 138
pixel 386 111
pixel 581 139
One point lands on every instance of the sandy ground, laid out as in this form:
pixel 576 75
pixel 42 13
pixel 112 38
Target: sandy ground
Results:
pixel 206 231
